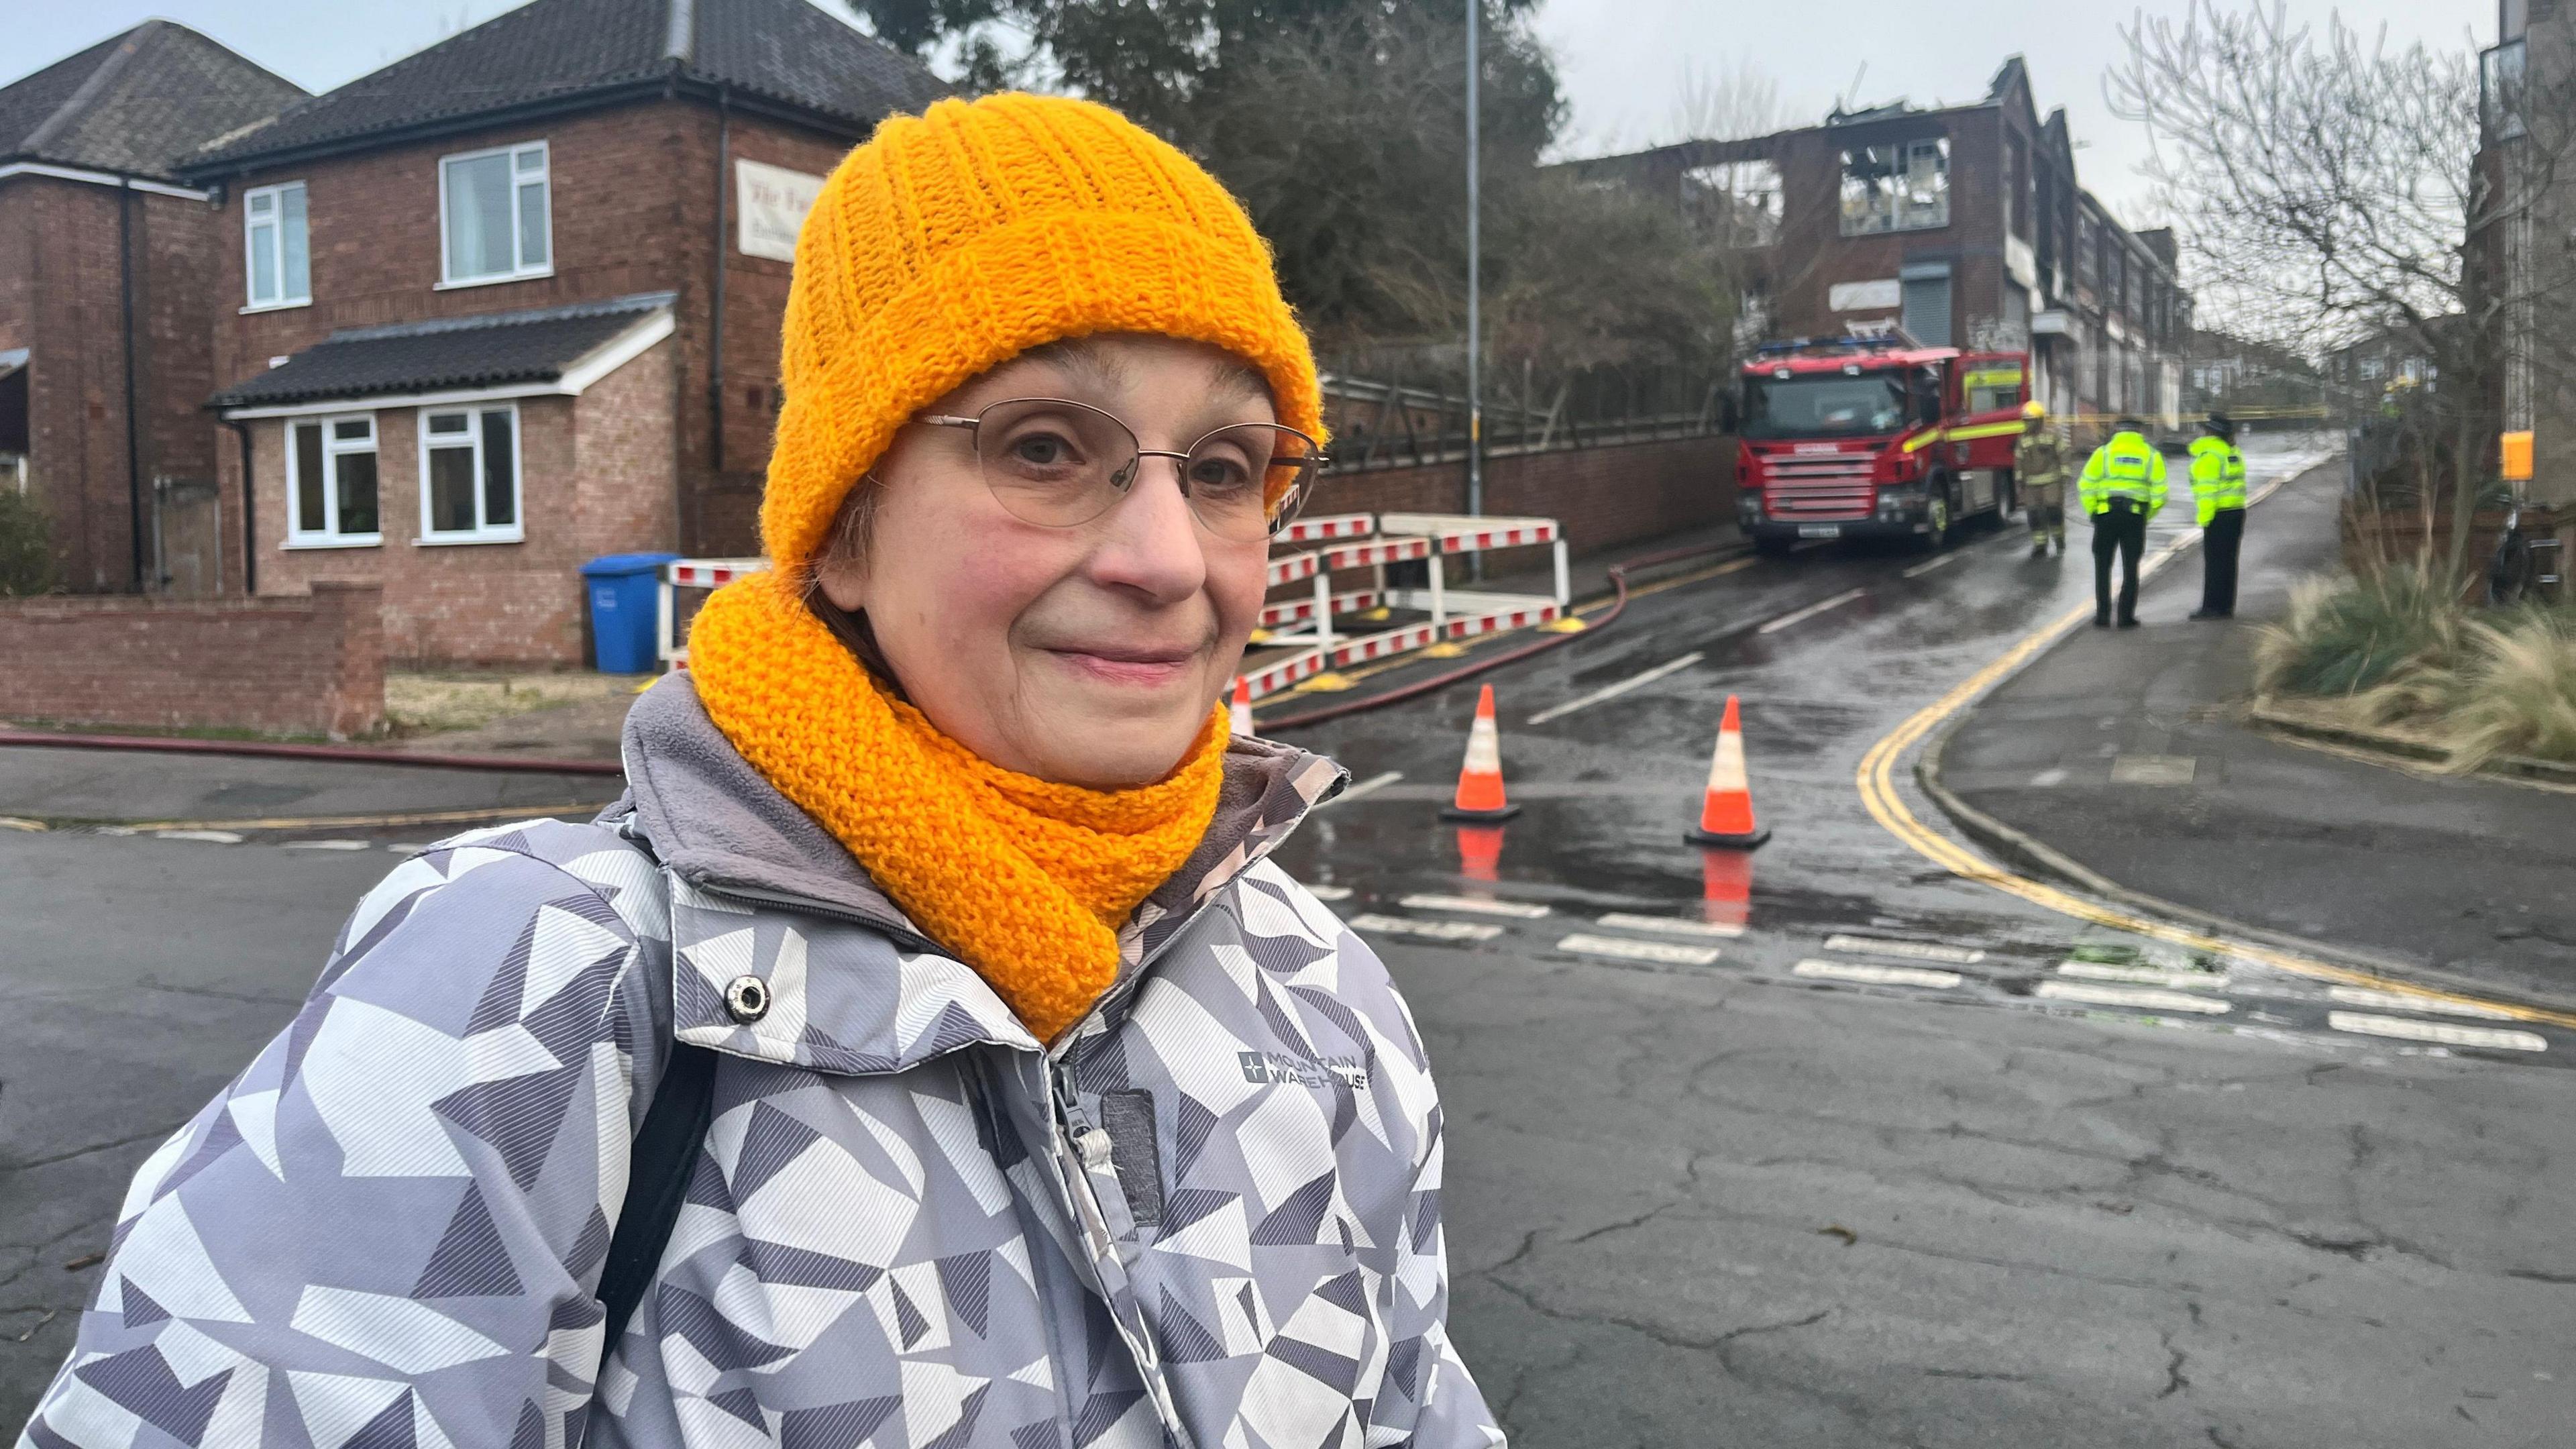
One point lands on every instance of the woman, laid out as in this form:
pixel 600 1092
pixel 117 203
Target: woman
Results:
pixel 924 1050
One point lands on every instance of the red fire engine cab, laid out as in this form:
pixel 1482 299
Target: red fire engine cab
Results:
pixel 1875 437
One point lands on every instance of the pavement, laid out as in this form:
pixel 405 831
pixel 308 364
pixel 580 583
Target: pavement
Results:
pixel 1830 1145
pixel 2126 751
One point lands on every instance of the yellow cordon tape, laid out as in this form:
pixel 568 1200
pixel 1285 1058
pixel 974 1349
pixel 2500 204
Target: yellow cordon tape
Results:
pixel 1878 793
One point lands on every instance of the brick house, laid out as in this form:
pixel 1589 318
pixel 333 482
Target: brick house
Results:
pixel 106 325
pixel 529 329
pixel 1966 224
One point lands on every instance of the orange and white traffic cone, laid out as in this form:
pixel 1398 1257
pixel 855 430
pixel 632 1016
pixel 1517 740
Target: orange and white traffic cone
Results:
pixel 1240 718
pixel 1480 780
pixel 1726 814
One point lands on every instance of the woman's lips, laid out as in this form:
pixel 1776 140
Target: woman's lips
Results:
pixel 1140 667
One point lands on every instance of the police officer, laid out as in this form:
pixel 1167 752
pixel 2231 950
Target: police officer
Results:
pixel 2218 487
pixel 2123 487
pixel 2039 467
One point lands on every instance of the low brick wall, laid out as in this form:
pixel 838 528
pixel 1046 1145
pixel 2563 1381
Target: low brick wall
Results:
pixel 311 664
pixel 1605 496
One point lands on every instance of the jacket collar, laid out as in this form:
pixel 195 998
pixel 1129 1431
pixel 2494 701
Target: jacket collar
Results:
pixel 886 995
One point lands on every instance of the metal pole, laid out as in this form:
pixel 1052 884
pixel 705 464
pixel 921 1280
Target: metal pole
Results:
pixel 1475 319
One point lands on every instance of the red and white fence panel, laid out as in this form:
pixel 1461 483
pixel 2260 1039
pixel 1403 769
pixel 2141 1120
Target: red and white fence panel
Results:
pixel 1329 526
pixel 1285 673
pixel 692 573
pixel 1298 611
pixel 1289 568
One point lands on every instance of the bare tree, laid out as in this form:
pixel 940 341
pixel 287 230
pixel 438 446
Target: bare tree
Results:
pixel 2333 190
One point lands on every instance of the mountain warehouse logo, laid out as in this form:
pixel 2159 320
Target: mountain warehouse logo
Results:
pixel 1277 1067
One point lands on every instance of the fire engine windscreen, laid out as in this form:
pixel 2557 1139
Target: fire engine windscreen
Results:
pixel 1826 406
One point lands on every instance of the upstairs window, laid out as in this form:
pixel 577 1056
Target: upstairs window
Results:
pixel 331 483
pixel 495 215
pixel 469 475
pixel 1904 186
pixel 273 246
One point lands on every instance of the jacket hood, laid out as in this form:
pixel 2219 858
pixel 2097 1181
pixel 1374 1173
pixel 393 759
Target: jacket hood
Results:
pixel 720 828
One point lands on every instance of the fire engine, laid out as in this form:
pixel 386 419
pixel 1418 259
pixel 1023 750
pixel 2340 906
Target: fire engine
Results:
pixel 1875 436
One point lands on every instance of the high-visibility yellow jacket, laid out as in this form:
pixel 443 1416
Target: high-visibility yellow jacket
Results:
pixel 2217 477
pixel 2128 466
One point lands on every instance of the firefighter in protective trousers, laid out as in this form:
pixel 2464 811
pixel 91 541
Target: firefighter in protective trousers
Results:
pixel 2218 487
pixel 2124 486
pixel 2039 468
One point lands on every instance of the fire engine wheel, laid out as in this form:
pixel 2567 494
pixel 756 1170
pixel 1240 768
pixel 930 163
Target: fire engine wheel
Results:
pixel 1939 519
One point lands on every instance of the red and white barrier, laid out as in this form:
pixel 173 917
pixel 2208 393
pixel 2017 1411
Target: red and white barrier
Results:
pixel 1329 526
pixel 691 573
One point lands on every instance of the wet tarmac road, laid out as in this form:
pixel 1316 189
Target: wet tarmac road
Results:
pixel 1694 1198
pixel 1830 1146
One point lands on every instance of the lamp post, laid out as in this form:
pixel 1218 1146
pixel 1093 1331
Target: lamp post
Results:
pixel 1475 330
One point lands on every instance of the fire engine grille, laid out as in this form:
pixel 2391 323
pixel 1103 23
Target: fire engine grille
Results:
pixel 1818 486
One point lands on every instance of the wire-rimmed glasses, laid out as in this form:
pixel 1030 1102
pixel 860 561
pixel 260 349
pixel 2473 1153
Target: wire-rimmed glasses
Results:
pixel 1060 464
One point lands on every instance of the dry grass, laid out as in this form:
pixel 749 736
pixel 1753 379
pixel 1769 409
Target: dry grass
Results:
pixel 2396 652
pixel 427 703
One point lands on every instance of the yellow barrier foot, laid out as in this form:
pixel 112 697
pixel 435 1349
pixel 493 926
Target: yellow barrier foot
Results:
pixel 1442 650
pixel 1567 625
pixel 1378 615
pixel 1327 683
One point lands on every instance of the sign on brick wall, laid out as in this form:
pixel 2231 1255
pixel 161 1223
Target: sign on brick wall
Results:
pixel 772 202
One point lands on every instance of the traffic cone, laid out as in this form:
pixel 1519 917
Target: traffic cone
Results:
pixel 1480 780
pixel 1726 887
pixel 1726 814
pixel 1241 716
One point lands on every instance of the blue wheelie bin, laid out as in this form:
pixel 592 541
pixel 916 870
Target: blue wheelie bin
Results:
pixel 623 589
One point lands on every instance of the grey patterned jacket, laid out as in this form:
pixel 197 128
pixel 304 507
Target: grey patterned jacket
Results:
pixel 1208 1218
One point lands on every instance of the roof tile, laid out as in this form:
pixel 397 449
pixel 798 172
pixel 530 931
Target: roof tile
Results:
pixel 491 350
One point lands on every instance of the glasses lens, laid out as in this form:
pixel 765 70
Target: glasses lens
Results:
pixel 1240 477
pixel 1054 463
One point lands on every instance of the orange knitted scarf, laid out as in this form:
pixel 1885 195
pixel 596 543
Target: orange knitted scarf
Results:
pixel 1026 881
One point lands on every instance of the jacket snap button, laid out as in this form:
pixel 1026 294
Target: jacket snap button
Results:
pixel 747 999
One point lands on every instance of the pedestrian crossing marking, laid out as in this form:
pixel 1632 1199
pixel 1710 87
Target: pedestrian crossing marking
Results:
pixel 1910 950
pixel 1328 892
pixel 2144 975
pixel 1666 953
pixel 1428 930
pixel 1474 905
pixel 2364 1023
pixel 2140 997
pixel 2421 1005
pixel 1873 974
pixel 1668 925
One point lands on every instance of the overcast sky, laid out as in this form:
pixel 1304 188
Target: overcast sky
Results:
pixel 1625 62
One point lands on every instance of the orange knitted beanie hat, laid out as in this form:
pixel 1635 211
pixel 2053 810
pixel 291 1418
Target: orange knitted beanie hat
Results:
pixel 952 241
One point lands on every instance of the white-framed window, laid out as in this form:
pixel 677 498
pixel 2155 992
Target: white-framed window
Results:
pixel 275 253
pixel 469 474
pixel 495 221
pixel 1902 186
pixel 331 482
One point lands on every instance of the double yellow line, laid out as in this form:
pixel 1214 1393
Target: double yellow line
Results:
pixel 1878 792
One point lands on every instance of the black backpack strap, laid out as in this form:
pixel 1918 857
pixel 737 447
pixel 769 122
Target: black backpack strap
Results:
pixel 664 1156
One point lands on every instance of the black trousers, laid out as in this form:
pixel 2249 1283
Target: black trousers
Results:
pixel 2219 545
pixel 2124 533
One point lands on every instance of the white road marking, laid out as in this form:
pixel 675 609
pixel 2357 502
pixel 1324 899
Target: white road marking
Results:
pixel 1809 612
pixel 1944 561
pixel 1665 953
pixel 2132 996
pixel 2400 1001
pixel 209 837
pixel 1669 925
pixel 1369 786
pixel 2148 975
pixel 2365 1024
pixel 14 822
pixel 1328 892
pixel 1475 905
pixel 1876 975
pixel 1910 950
pixel 1430 930
pixel 2048 779
pixel 1613 691
pixel 406 849
pixel 324 845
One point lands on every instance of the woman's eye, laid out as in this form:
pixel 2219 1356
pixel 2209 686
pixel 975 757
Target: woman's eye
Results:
pixel 1042 450
pixel 1219 474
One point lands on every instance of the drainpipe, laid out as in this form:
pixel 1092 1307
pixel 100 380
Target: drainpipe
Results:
pixel 715 346
pixel 250 531
pixel 133 429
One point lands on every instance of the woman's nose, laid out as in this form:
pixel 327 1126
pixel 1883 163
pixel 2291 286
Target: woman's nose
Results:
pixel 1152 545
